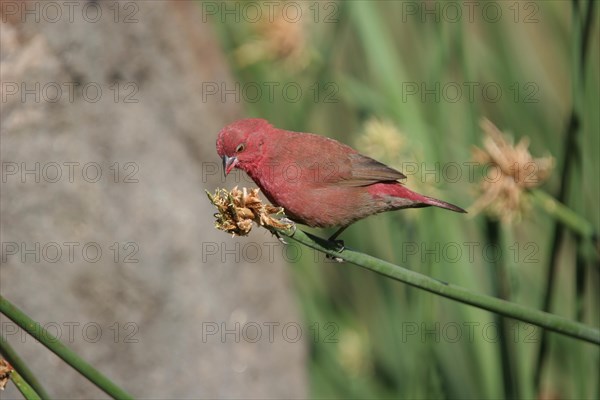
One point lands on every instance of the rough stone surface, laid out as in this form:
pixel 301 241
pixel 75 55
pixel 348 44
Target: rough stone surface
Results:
pixel 154 315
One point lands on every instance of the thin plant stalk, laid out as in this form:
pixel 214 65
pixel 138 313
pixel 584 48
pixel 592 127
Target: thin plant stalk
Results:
pixel 9 353
pixel 501 289
pixel 24 387
pixel 582 32
pixel 542 319
pixel 563 214
pixel 61 350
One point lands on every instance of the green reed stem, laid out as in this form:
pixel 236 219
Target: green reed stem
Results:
pixel 61 350
pixel 542 319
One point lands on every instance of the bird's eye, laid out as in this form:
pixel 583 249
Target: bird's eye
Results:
pixel 240 148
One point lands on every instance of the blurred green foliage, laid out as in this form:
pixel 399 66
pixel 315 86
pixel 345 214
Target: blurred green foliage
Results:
pixel 433 70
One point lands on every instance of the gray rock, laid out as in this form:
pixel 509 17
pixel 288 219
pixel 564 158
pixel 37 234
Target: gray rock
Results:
pixel 150 315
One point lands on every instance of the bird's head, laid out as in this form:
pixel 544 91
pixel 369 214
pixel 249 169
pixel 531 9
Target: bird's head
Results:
pixel 240 144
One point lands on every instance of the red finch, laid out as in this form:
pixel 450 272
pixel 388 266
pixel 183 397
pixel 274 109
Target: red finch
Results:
pixel 320 182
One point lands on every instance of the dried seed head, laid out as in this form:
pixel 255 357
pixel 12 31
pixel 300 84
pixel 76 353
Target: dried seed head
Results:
pixel 277 38
pixel 385 142
pixel 5 370
pixel 237 210
pixel 511 171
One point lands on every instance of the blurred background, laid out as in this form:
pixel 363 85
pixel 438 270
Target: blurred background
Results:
pixel 410 83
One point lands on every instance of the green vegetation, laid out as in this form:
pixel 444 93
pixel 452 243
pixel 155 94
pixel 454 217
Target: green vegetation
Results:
pixel 533 72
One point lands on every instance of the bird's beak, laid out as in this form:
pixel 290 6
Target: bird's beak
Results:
pixel 229 163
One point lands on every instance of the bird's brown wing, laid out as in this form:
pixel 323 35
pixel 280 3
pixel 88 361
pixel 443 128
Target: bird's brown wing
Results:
pixel 328 162
pixel 366 171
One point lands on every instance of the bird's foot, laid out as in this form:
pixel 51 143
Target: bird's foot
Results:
pixel 279 237
pixel 339 247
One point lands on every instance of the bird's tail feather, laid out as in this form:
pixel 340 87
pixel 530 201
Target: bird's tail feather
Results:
pixel 430 201
pixel 403 197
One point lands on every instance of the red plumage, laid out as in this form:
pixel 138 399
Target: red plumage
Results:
pixel 319 181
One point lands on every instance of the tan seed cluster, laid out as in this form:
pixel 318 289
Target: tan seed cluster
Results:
pixel 238 209
pixel 512 170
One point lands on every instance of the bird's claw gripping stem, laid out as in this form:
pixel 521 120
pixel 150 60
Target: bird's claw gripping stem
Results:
pixel 339 247
pixel 279 237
